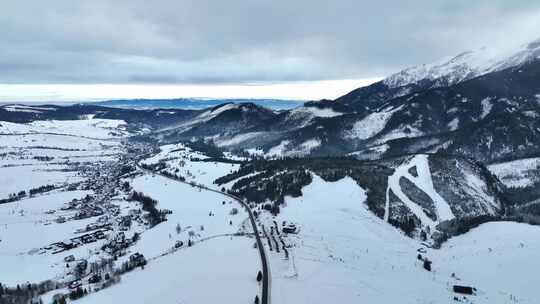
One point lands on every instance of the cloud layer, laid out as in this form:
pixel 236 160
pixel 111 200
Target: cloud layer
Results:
pixel 245 41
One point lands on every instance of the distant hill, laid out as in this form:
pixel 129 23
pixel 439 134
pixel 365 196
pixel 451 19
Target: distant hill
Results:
pixel 196 103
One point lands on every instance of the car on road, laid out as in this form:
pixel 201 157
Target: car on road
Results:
pixel 75 284
pixel 96 278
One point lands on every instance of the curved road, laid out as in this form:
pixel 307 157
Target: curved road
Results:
pixel 265 299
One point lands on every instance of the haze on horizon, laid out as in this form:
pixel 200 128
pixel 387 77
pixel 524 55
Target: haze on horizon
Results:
pixel 93 50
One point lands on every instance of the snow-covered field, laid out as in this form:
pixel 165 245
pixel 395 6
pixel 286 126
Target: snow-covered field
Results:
pixel 93 128
pixel 221 270
pixel 499 258
pixel 178 159
pixel 345 254
pixel 191 209
pixel 25 228
pixel 32 156
pixel 15 179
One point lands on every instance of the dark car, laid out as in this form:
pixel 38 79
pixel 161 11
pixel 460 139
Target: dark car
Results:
pixel 75 284
pixel 96 278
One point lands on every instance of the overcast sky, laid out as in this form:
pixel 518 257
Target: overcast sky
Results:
pixel 244 42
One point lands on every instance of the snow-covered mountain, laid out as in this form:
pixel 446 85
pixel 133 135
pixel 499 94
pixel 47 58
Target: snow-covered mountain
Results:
pixel 444 73
pixel 481 105
pixel 429 194
pixel 465 66
pixel 434 151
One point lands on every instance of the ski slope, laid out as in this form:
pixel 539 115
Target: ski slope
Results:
pixel 424 182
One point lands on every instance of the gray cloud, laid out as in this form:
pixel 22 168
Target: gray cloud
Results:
pixel 201 41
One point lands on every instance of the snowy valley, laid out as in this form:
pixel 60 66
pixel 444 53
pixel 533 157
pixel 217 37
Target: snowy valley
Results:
pixel 420 188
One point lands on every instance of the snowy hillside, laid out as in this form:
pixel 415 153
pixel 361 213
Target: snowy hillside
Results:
pixel 349 255
pixel 519 173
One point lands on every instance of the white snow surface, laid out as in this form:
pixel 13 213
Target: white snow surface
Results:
pixel 486 107
pixel 237 139
pixel 370 125
pixel 286 148
pixel 215 112
pixel 178 157
pixel 314 112
pixel 310 144
pixel 191 208
pixel 404 131
pixel 518 173
pixel 477 188
pixel 497 258
pixel 205 116
pixel 220 270
pixel 304 115
pixel 278 150
pixel 17 178
pixel 304 148
pixel 453 124
pixel 24 228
